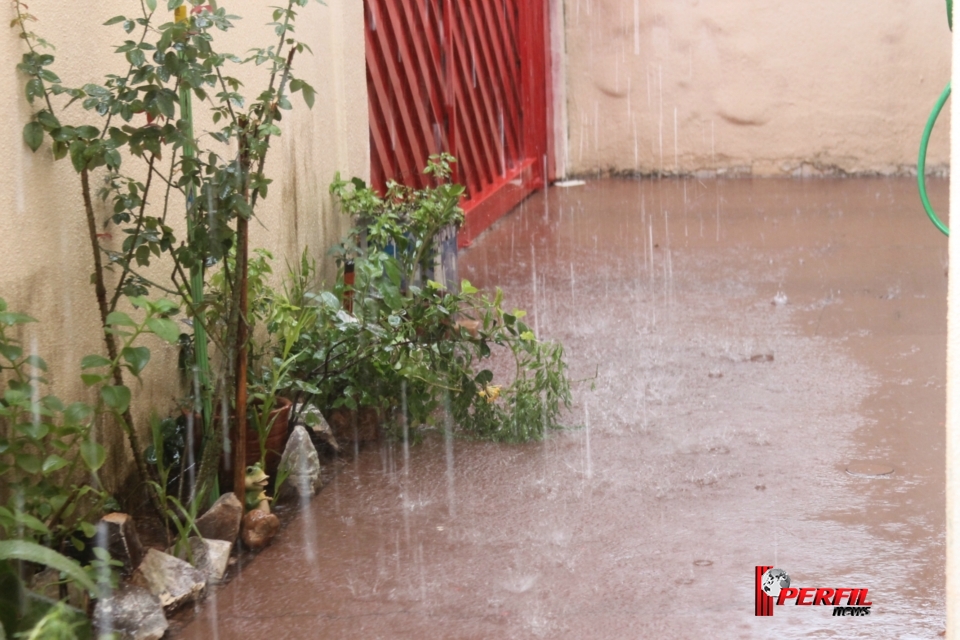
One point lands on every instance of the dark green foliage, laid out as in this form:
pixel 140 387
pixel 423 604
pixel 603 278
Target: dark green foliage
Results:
pixel 401 349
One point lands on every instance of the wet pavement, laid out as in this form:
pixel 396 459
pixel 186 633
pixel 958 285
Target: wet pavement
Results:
pixel 752 340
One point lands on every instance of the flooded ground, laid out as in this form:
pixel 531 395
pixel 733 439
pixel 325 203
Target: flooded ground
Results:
pixel 752 340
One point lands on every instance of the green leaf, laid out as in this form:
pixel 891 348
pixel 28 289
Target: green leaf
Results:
pixel 31 521
pixel 392 297
pixel 152 5
pixel 49 76
pixel 53 403
pixel 329 300
pixel 392 269
pixel 137 357
pixel 120 318
pixel 165 306
pixel 91 379
pixel 87 132
pixel 165 328
pixel 114 20
pixel 78 156
pixel 33 90
pixel 93 361
pixel 28 462
pixel 33 135
pixel 166 104
pixel 53 463
pixel 10 352
pixel 33 552
pixel 77 413
pixel 467 288
pixel 116 397
pixel 34 430
pixel 309 95
pixel 88 529
pixel 10 319
pixel 527 335
pixel 93 454
pixel 48 120
pixel 37 362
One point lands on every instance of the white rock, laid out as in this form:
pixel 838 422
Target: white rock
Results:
pixel 209 556
pixel 134 614
pixel 212 557
pixel 172 580
pixel 300 458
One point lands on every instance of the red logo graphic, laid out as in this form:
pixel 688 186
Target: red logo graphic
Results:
pixel 773 586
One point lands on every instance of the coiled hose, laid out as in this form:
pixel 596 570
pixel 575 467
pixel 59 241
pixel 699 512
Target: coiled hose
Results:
pixel 922 162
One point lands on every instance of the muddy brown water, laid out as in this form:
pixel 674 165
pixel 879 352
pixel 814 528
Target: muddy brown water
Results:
pixel 752 341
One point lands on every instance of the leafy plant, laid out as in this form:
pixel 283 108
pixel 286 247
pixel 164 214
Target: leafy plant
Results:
pixel 404 223
pixel 410 348
pixel 45 447
pixel 143 117
pixel 27 615
pixel 33 552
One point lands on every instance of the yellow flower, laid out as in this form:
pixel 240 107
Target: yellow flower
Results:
pixel 491 393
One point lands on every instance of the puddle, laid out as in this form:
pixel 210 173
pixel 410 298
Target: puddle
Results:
pixel 748 340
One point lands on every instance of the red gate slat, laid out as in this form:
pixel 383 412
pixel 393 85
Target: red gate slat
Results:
pixel 413 88
pixel 426 49
pixel 463 76
pixel 379 70
pixel 481 155
pixel 487 87
pixel 393 45
pixel 507 84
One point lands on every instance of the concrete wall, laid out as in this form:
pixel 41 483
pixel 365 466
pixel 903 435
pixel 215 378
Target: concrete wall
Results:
pixel 772 88
pixel 45 256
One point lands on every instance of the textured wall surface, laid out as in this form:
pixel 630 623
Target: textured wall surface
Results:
pixel 45 256
pixel 772 88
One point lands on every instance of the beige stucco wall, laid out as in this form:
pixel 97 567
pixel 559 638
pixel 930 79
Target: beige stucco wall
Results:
pixel 45 257
pixel 754 85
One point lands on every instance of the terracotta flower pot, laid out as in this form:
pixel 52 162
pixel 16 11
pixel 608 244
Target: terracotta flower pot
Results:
pixel 276 440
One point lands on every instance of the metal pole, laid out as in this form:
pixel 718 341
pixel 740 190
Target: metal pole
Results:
pixel 202 359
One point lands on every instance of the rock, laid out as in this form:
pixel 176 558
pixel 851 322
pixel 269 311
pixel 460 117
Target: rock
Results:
pixel 222 520
pixel 301 460
pixel 134 613
pixel 320 432
pixel 217 559
pixel 258 529
pixel 210 557
pixel 172 580
pixel 118 534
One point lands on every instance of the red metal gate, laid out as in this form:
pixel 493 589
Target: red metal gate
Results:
pixel 464 76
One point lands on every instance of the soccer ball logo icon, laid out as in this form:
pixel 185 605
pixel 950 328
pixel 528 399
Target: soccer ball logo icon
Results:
pixel 773 581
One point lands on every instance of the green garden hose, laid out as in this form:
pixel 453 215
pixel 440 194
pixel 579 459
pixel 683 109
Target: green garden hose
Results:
pixel 922 162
